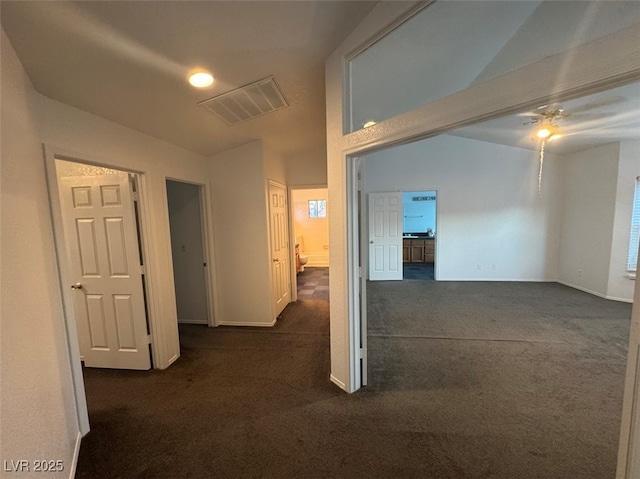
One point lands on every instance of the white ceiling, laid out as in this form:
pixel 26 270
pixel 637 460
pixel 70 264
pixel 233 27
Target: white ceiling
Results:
pixel 451 45
pixel 606 117
pixel 128 62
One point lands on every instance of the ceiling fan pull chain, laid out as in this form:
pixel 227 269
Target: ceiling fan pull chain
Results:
pixel 540 171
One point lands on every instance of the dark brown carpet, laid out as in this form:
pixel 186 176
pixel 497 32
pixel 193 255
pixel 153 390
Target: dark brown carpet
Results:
pixel 502 380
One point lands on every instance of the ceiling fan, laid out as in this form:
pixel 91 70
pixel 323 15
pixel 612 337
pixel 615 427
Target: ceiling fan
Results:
pixel 547 118
pixel 554 112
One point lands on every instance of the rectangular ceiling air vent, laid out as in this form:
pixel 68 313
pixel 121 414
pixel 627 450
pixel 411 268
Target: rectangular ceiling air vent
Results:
pixel 247 102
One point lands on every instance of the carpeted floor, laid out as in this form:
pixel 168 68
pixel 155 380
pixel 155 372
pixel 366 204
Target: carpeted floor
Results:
pixel 478 380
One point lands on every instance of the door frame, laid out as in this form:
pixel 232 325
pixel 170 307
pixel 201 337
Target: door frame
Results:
pixel 292 234
pixel 509 93
pixel 207 248
pixel 52 154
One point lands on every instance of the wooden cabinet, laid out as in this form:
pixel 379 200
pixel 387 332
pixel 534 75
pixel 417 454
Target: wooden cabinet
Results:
pixel 429 250
pixel 418 250
pixel 406 251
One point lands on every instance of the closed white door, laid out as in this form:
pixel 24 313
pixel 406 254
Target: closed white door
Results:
pixel 102 241
pixel 385 236
pixel 279 227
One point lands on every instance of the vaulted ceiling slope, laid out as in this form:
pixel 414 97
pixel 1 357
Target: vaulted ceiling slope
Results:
pixel 451 45
pixel 128 61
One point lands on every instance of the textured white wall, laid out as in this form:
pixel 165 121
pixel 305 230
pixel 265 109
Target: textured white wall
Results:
pixel 275 167
pixel 309 169
pixel 590 179
pixel 38 412
pixel 242 236
pixel 489 211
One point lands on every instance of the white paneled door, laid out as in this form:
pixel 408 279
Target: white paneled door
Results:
pixel 385 236
pixel 279 228
pixel 102 242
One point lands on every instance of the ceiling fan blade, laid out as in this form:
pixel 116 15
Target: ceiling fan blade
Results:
pixel 596 104
pixel 530 114
pixel 589 116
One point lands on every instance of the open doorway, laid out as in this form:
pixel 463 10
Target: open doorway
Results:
pixel 311 234
pixel 419 235
pixel 188 252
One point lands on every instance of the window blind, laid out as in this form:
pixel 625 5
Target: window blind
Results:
pixel 634 237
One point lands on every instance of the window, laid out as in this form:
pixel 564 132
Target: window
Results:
pixel 317 208
pixel 632 258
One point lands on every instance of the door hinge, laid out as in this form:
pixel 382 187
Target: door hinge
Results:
pixel 360 353
pixel 148 339
pixel 360 271
pixel 134 195
pixel 143 270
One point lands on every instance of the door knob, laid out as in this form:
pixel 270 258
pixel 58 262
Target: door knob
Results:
pixel 276 260
pixel 76 286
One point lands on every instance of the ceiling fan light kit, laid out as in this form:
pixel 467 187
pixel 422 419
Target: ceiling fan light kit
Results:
pixel 547 131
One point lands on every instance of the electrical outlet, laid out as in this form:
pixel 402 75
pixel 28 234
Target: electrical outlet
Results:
pixel 579 273
pixel 493 267
pixel 479 265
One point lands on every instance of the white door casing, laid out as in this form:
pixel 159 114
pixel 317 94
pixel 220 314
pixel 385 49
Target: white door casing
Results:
pixel 279 231
pixel 359 166
pixel 385 236
pixel 102 243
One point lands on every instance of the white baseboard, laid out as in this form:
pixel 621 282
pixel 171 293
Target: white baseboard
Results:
pixel 487 279
pixel 76 454
pixel 193 321
pixel 259 325
pixel 338 383
pixel 595 293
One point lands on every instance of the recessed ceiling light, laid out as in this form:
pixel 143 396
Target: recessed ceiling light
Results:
pixel 201 79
